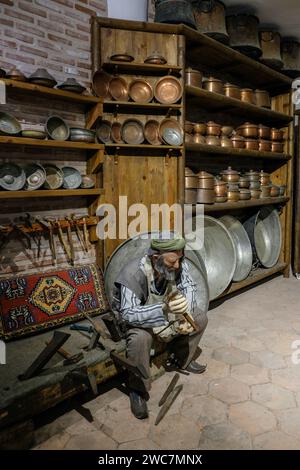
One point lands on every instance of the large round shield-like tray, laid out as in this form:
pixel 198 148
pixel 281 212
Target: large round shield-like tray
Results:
pixel 137 247
pixel 12 177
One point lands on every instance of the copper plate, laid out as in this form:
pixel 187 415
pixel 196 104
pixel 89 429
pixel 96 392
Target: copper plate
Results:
pixel 151 131
pixel 168 90
pixel 140 91
pixel 116 132
pixel 118 88
pixel 169 124
pixel 132 132
pixel 103 131
pixel 122 58
pixel 88 181
pixel 155 59
pixel 100 82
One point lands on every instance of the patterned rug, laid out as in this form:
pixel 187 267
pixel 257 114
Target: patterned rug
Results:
pixel 45 300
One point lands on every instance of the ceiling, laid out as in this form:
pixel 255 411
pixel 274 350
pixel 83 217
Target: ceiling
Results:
pixel 285 15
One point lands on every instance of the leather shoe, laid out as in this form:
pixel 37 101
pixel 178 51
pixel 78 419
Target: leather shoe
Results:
pixel 195 368
pixel 138 405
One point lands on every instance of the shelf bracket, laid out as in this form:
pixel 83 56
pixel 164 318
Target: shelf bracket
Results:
pixel 93 115
pixel 96 161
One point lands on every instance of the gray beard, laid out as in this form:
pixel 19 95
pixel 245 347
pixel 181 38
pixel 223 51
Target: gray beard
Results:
pixel 168 274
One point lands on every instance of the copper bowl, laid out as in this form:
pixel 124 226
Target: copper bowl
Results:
pixel 277 147
pixel 88 181
pixel 262 98
pixel 198 139
pixel 227 130
pixel 168 90
pixel 245 194
pixel 248 130
pixel 156 59
pixel 275 191
pixel 225 141
pixel 103 131
pixel 190 196
pixel 133 132
pixel 255 193
pixel 200 128
pixel 189 127
pixel 100 84
pixel 232 91
pixel 233 187
pixel 264 132
pixel 116 134
pixel 221 199
pixel 57 128
pixel 230 176
pixel 213 85
pixel 253 175
pixel 213 140
pixel 193 77
pixel 244 182
pixel 122 57
pixel 140 91
pixel 264 145
pixel 233 196
pixel 220 188
pixel 251 144
pixel 16 74
pixel 205 180
pixel 277 134
pixel 212 128
pixel 205 196
pixel 265 191
pixel 118 89
pixel 248 95
pixel 254 185
pixel 189 139
pixel 169 123
pixel 151 132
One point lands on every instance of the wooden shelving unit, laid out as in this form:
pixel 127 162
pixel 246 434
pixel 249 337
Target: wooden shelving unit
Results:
pixel 140 69
pixel 234 153
pixel 48 193
pixel 231 206
pixel 128 107
pixel 51 144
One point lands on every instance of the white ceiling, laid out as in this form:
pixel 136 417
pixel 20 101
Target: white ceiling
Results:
pixel 285 15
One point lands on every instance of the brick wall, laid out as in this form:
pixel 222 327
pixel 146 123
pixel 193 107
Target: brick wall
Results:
pixel 48 33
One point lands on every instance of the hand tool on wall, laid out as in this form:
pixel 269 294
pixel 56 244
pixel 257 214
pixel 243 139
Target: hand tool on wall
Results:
pixel 69 358
pixel 22 233
pixel 86 235
pixel 168 403
pixel 62 241
pixel 70 240
pixel 36 236
pixel 78 232
pixel 50 224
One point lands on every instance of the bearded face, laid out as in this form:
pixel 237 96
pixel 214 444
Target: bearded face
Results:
pixel 168 264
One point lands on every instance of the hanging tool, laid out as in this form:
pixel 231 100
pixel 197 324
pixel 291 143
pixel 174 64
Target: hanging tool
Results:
pixel 37 237
pixel 69 358
pixel 170 389
pixel 78 232
pixel 168 403
pixel 50 223
pixel 86 235
pixel 59 338
pixel 62 241
pixel 24 234
pixel 70 240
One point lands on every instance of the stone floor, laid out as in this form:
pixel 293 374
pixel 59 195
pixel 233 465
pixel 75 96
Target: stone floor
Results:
pixel 249 397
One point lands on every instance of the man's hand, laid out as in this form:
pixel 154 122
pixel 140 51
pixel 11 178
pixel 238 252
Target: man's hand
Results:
pixel 178 305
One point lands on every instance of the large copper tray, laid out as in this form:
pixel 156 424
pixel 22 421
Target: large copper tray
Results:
pixel 168 90
pixel 118 88
pixel 140 91
pixel 151 131
pixel 103 131
pixel 133 132
pixel 100 82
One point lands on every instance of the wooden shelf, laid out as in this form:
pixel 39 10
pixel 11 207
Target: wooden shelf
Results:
pixel 140 108
pixel 54 144
pixel 216 102
pixel 141 69
pixel 46 193
pixel 232 152
pixel 143 146
pixel 227 206
pixel 51 92
pixel 255 276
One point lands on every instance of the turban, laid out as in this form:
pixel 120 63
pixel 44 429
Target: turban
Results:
pixel 168 242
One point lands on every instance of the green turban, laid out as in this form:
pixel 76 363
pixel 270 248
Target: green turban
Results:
pixel 170 242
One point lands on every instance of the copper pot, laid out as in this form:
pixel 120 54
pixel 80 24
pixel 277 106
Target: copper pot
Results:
pixel 232 186
pixel 205 180
pixel 190 196
pixel 200 128
pixel 244 182
pixel 264 145
pixel 265 191
pixel 213 140
pixel 205 196
pixel 227 130
pixel 251 144
pixel 270 41
pixel 233 196
pixel 262 98
pixel 221 199
pixel 277 147
pixel 255 193
pixel 191 182
pixel 214 85
pixel 230 176
pixel 282 190
pixel 254 185
pixel 264 132
pixel 253 175
pixel 277 134
pixel 248 96
pixel 213 128
pixel 238 141
pixel 188 138
pixel 193 77
pixel 199 139
pixel 225 141
pixel 189 127
pixel 245 194
pixel 275 191
pixel 220 188
pixel 248 130
pixel 232 91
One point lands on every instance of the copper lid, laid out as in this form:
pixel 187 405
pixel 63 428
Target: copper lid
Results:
pixel 188 172
pixel 229 171
pixel 204 175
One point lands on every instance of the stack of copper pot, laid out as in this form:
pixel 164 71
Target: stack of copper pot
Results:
pixel 259 137
pixel 199 188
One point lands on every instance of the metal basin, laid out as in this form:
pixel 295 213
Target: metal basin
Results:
pixel 12 177
pixel 137 247
pixel 242 247
pixel 57 128
pixel 264 231
pixel 219 256
pixel 9 125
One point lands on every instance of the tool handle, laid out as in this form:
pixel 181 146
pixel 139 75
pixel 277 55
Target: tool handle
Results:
pixel 65 354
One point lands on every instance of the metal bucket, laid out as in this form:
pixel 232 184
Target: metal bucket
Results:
pixel 290 50
pixel 243 34
pixel 270 41
pixel 210 19
pixel 137 247
pixel 242 247
pixel 264 231
pixel 174 12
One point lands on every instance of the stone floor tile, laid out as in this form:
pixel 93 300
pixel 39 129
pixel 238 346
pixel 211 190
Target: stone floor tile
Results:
pixel 289 422
pixel 279 342
pixel 141 444
pixel 175 432
pixel 288 378
pixel 122 426
pixel 275 440
pixel 95 440
pixel 229 390
pixel 56 442
pixel 267 359
pixel 224 436
pixel 216 369
pixel 230 355
pixel 204 410
pixel 82 426
pixel 252 418
pixel 274 397
pixel 247 343
pixel 250 374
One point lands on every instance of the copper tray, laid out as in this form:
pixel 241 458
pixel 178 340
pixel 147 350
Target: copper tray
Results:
pixel 151 131
pixel 122 58
pixel 155 59
pixel 140 91
pixel 116 133
pixel 132 132
pixel 169 123
pixel 168 90
pixel 103 131
pixel 100 83
pixel 118 88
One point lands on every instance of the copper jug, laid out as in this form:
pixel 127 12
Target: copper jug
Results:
pixel 271 53
pixel 290 51
pixel 243 34
pixel 210 19
pixel 174 11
